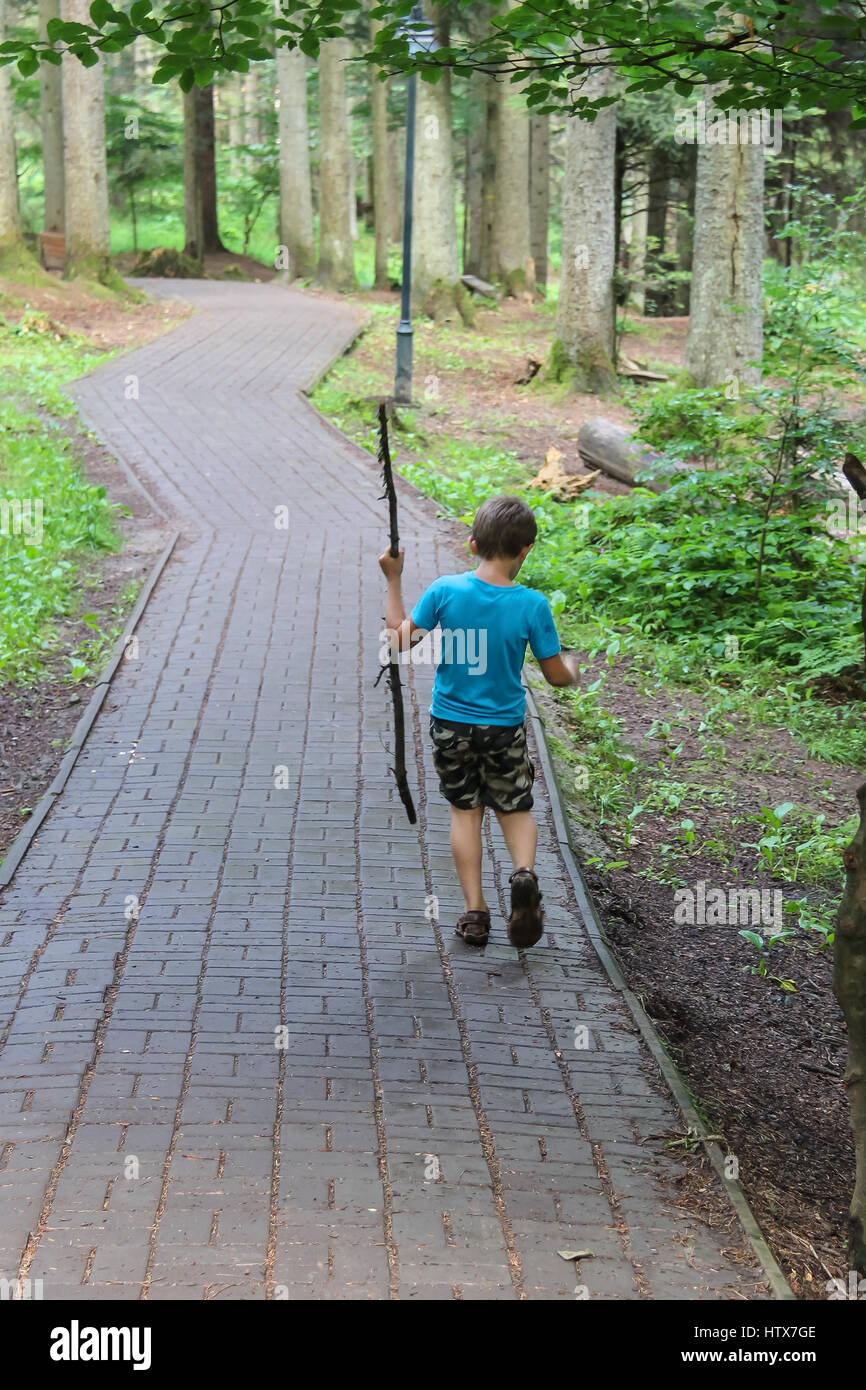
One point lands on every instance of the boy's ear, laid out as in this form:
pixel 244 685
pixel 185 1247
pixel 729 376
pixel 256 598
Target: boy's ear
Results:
pixel 473 545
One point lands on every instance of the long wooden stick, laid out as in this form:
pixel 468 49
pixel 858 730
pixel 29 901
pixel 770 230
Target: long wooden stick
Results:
pixel 849 973
pixel 856 475
pixel 393 667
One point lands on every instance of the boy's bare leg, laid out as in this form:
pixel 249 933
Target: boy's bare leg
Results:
pixel 466 849
pixel 521 837
pixel 526 920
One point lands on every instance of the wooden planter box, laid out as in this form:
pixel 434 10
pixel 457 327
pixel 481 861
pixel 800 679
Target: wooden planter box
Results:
pixel 53 246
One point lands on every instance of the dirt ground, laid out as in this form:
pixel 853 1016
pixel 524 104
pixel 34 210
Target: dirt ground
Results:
pixel 106 321
pixel 764 1065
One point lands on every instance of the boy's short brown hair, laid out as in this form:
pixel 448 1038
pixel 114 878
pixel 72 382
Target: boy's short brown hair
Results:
pixel 503 526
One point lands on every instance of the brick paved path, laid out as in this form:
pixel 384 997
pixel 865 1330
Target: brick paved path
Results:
pixel 229 858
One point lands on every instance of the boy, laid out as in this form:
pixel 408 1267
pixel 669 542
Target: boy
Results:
pixel 477 714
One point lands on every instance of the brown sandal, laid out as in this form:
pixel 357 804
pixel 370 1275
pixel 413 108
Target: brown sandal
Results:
pixel 474 927
pixel 526 923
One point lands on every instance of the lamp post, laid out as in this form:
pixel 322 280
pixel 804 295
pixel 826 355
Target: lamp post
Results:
pixel 421 39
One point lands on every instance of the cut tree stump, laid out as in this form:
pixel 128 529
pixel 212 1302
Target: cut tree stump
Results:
pixel 533 367
pixel 553 478
pixel 609 447
pixel 53 250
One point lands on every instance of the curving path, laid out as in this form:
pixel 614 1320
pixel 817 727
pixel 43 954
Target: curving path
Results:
pixel 229 859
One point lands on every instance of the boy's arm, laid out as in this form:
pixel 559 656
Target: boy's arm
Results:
pixel 558 668
pixel 402 631
pixel 561 669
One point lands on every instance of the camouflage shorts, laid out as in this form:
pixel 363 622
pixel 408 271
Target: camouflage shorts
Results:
pixel 483 765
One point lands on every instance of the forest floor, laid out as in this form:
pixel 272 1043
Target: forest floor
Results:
pixel 37 718
pixel 682 778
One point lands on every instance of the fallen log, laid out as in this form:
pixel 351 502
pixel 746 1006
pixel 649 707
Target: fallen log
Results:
pixel 478 286
pixel 636 372
pixel 601 444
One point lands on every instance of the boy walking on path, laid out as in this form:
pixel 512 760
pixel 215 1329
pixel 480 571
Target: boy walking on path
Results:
pixel 477 715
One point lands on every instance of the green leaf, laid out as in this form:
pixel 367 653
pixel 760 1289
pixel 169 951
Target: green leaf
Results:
pixel 754 938
pixel 101 12
pixel 87 56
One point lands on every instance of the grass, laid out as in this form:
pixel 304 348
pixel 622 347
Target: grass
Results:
pixel 52 520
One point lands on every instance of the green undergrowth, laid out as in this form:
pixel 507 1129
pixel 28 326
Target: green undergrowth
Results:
pixel 53 522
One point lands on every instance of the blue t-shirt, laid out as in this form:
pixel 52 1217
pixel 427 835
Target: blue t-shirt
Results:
pixel 480 646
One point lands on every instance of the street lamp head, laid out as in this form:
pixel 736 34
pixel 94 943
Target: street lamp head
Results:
pixel 421 37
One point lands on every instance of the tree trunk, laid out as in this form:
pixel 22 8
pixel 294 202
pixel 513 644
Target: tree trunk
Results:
pixel 637 250
pixel 488 180
pixel 336 268
pixel 476 144
pixel 396 181
pixel 252 123
pixel 296 194
pixel 234 98
pixel 434 220
pixel 511 188
pixel 383 190
pixel 10 219
pixel 686 227
pixel 353 184
pixel 657 205
pixel 51 112
pixel 206 159
pixel 88 239
pixel 192 214
pixel 199 173
pixel 584 348
pixel 478 94
pixel 725 328
pixel 539 194
pixel 618 185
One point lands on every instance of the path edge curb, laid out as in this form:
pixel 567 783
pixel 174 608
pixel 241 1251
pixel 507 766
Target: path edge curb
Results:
pixel 361 326
pixel 26 836
pixel 779 1285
